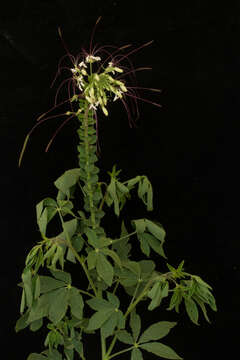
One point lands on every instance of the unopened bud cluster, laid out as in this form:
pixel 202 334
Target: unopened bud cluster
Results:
pixel 99 86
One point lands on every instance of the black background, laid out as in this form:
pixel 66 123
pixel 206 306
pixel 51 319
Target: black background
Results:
pixel 188 148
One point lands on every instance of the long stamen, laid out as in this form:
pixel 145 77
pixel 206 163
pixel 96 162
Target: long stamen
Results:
pixel 135 50
pixel 144 88
pixel 59 88
pixel 133 71
pixel 31 131
pixel 65 46
pixel 142 99
pixel 93 32
pixel 57 131
pixel 56 106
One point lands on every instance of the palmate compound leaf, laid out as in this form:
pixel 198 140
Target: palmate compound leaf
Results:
pixel 156 331
pixel 45 210
pixel 161 350
pixel 153 239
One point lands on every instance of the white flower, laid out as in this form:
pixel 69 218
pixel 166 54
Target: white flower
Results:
pixel 91 58
pixel 74 71
pixel 83 71
pixel 118 95
pixel 82 64
pixel 94 106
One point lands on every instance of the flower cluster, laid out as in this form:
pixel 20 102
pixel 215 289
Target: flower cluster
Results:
pixel 97 87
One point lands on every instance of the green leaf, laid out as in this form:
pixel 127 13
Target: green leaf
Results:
pixel 27 283
pixel 147 267
pixel 155 244
pixel 157 331
pixel 203 308
pixel 76 303
pixel 93 238
pixel 53 354
pixel 127 278
pixel 136 354
pixel 22 322
pixel 160 350
pixel 36 325
pixel 113 255
pixel 111 189
pixel 192 310
pixel 135 324
pixel 99 318
pixel 99 304
pixel 121 320
pixel 140 225
pixel 108 327
pixel 122 187
pixel 58 306
pixel 35 356
pixel 40 308
pixel 133 266
pixel 124 337
pixel 113 299
pixel 37 288
pixel 23 302
pixel 92 259
pixel 67 180
pixel 201 282
pixel 42 221
pixel 62 276
pixel 78 346
pixel 144 244
pixel 48 283
pixel 70 226
pixel 104 269
pixel 145 192
pixel 156 230
pixel 175 300
pixel 132 182
pixel 156 295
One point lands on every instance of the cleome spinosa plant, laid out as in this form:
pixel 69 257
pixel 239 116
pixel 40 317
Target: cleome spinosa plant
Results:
pixel 97 78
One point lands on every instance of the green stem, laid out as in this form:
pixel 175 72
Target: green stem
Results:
pixel 76 254
pixel 130 308
pixel 103 345
pixel 124 237
pixel 121 352
pixel 90 192
pixel 85 292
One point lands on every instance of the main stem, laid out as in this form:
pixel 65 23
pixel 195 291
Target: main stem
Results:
pixel 88 176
